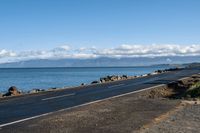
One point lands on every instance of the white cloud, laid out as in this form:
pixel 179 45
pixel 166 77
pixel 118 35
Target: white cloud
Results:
pixel 151 50
pixel 5 53
pixel 62 48
pixel 124 50
pixel 65 47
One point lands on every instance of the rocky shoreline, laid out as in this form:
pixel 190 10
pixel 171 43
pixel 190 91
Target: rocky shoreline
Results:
pixel 14 91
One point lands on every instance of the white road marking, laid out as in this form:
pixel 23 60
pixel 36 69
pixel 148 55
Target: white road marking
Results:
pixel 115 85
pixel 34 117
pixel 18 121
pixel 50 98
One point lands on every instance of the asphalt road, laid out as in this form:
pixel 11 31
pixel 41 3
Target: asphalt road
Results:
pixel 17 109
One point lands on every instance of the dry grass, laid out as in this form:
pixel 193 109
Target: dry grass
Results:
pixel 193 91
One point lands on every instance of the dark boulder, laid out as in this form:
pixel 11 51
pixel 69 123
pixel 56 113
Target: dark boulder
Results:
pixel 124 76
pixel 36 90
pixel 83 84
pixel 159 71
pixel 110 78
pixel 95 82
pixel 12 91
pixel 115 78
pixel 102 80
pixel 105 79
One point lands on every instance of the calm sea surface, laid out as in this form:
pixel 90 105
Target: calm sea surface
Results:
pixel 43 78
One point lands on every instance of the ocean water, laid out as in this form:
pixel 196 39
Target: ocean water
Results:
pixel 43 78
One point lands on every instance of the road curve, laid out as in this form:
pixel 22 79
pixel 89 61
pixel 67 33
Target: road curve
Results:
pixel 17 109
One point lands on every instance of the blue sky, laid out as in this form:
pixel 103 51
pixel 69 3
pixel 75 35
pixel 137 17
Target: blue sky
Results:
pixel 32 25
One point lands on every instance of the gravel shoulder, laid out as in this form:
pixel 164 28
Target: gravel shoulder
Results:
pixel 118 115
pixel 184 120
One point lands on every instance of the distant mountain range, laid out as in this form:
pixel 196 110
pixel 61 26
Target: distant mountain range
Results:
pixel 102 62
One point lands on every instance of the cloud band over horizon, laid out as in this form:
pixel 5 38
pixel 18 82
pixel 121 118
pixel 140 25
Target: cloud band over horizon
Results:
pixel 125 50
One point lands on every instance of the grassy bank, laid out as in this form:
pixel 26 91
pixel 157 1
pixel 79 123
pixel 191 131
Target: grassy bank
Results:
pixel 193 91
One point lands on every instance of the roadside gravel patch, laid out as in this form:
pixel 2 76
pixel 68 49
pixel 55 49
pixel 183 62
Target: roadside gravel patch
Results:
pixel 186 120
pixel 118 115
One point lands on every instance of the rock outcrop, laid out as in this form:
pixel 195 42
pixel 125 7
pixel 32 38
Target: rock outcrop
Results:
pixel 36 90
pixel 82 84
pixel 112 78
pixel 167 70
pixel 12 91
pixel 95 82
